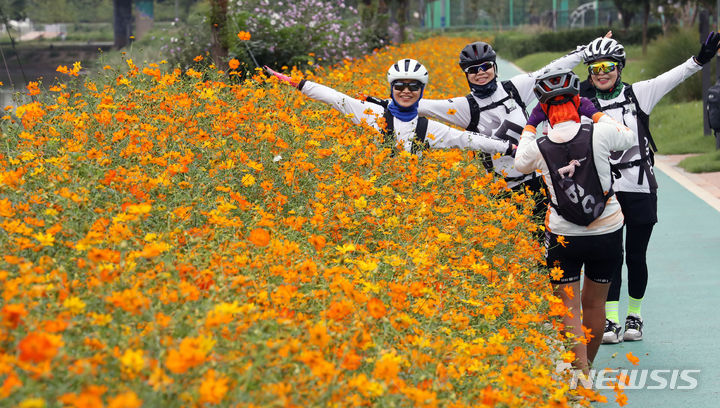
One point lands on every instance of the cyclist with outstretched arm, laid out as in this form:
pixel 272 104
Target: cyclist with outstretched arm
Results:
pixel 407 79
pixel 636 189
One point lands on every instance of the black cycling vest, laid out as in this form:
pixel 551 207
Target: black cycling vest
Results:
pixel 576 183
pixel 646 143
pixel 476 109
pixel 419 143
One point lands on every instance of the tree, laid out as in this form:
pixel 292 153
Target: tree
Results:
pixel 122 22
pixel 12 9
pixel 218 23
pixel 627 10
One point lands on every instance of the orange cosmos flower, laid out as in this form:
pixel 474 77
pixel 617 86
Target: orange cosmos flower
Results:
pixel 234 63
pixel 125 400
pixel 387 367
pixel 631 358
pixel 38 347
pixel 259 237
pixel 12 315
pixel 213 388
pixel 317 241
pixel 376 308
pixel 198 58
pixel 243 36
pixel 33 88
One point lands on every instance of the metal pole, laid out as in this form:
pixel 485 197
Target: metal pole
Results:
pixel 597 13
pixel 554 15
pixel 512 23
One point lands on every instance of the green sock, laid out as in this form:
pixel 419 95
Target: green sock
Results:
pixel 634 305
pixel 611 311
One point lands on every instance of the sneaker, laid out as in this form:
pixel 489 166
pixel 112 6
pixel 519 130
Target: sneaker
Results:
pixel 633 328
pixel 612 333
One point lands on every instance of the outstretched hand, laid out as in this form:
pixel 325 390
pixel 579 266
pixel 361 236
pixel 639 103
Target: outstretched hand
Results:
pixel 281 77
pixel 709 48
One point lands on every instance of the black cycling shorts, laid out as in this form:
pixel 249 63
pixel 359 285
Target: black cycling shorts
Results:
pixel 601 255
pixel 638 208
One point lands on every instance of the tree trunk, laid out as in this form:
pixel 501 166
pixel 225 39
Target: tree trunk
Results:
pixel 218 23
pixel 402 18
pixel 122 22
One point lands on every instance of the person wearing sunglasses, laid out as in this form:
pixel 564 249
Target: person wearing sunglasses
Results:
pixel 573 159
pixel 636 189
pixel 495 108
pixel 402 125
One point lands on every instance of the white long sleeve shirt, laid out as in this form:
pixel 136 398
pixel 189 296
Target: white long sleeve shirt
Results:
pixel 648 94
pixel 439 136
pixel 608 136
pixel 505 121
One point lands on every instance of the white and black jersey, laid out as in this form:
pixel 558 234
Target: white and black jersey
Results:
pixel 506 116
pixel 440 136
pixel 608 136
pixel 635 163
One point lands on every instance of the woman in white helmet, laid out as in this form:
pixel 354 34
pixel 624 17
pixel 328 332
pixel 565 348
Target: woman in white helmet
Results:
pixel 407 79
pixel 636 188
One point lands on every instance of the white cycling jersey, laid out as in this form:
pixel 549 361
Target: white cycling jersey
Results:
pixel 504 122
pixel 648 93
pixel 439 136
pixel 608 136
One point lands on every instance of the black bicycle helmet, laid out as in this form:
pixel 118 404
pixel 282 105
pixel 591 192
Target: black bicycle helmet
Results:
pixel 476 53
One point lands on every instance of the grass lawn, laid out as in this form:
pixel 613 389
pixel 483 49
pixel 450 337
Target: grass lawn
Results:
pixel 677 127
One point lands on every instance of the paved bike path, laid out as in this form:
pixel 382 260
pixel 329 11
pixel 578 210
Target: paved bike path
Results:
pixel 681 307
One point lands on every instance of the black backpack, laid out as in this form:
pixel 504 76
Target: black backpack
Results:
pixel 712 107
pixel 419 143
pixel 575 179
pixel 475 111
pixel 646 160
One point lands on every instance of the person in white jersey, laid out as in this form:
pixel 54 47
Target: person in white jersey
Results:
pixel 584 220
pixel 407 79
pixel 496 108
pixel 636 188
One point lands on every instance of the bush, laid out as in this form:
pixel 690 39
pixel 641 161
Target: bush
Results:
pixel 665 53
pixel 295 34
pixel 516 44
pixel 171 240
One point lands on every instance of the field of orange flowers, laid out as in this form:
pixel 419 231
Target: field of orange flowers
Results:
pixel 188 239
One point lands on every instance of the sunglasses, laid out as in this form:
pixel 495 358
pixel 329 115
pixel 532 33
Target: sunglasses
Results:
pixel 604 67
pixel 412 86
pixel 474 69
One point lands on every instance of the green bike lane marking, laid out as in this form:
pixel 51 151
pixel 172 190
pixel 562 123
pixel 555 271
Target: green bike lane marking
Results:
pixel 681 308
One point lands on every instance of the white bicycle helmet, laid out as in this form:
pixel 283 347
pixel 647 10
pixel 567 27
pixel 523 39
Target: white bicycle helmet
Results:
pixel 407 69
pixel 556 82
pixel 604 48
